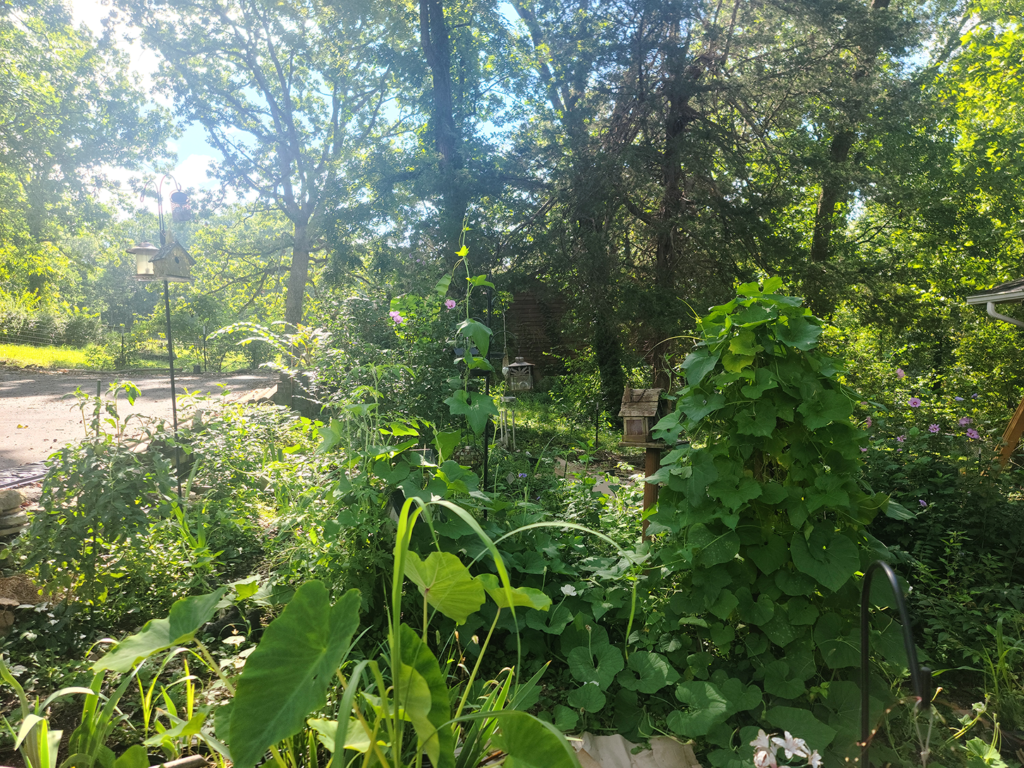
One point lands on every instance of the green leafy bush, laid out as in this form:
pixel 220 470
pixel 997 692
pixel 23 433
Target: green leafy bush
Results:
pixel 766 521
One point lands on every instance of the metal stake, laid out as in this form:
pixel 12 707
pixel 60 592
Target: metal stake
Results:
pixel 920 677
pixel 174 396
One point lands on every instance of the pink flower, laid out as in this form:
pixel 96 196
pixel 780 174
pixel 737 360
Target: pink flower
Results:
pixel 863 450
pixel 450 304
pixel 973 434
pixel 901 438
pixel 867 421
pixel 933 428
pixel 914 402
pixel 397 317
pixel 900 373
pixel 964 421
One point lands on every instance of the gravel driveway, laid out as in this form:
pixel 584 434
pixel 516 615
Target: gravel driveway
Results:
pixel 35 421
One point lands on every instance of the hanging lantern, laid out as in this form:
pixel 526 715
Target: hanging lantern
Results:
pixel 144 253
pixel 179 207
pixel 520 376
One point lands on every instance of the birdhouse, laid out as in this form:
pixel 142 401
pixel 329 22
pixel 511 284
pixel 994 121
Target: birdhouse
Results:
pixel 179 207
pixel 144 253
pixel 520 376
pixel 173 264
pixel 641 410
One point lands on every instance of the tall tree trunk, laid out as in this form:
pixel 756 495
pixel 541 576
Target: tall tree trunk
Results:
pixel 297 275
pixel 437 51
pixel 836 181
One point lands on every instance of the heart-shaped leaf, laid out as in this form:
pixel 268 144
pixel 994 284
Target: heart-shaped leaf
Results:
pixel 186 617
pixel 599 664
pixel 827 556
pixel 648 673
pixel 287 676
pixel 446 583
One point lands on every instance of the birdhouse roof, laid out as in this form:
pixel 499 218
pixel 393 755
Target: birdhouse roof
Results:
pixel 640 402
pixel 173 249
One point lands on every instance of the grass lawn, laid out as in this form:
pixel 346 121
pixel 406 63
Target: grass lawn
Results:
pixel 45 357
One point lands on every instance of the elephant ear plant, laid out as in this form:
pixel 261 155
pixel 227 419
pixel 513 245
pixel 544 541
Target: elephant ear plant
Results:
pixel 287 678
pixel 766 520
pixel 395 711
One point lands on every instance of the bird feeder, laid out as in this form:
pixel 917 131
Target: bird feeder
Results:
pixel 144 253
pixel 173 264
pixel 520 376
pixel 641 410
pixel 179 207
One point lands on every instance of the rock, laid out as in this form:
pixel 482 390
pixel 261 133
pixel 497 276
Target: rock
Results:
pixel 11 498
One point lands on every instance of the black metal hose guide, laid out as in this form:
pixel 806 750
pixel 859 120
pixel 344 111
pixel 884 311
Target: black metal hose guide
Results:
pixel 920 677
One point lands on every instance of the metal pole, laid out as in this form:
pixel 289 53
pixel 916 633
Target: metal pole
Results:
pixel 174 396
pixel 920 677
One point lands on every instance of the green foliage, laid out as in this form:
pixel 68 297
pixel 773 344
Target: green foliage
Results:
pixel 767 520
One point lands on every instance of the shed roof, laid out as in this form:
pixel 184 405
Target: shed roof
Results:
pixel 1004 292
pixel 640 402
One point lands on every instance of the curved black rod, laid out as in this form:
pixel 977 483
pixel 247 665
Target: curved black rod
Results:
pixel 920 677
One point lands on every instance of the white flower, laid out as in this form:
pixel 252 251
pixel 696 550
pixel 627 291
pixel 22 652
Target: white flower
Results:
pixel 791 745
pixel 569 590
pixel 764 759
pixel 814 760
pixel 762 742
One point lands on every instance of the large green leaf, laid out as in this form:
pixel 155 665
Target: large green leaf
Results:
pixel 824 407
pixel 698 364
pixel 648 673
pixel 186 617
pixel 802 724
pixel 827 556
pixel 446 583
pixel 531 743
pixel 437 741
pixel 479 333
pixel 798 333
pixel 838 649
pixel 287 676
pixel 595 664
pixel 589 697
pixel 527 597
pixel 475 406
pixel 707 707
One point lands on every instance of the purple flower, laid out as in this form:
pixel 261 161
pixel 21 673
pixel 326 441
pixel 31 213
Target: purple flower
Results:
pixel 901 438
pixel 922 502
pixel 396 316
pixel 867 421
pixel 863 450
pixel 900 373
pixel 914 402
pixel 964 421
pixel 933 428
pixel 973 434
pixel 450 304
pixel 975 395
pixel 958 399
pixel 522 474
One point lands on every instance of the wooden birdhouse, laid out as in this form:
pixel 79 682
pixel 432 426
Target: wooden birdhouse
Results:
pixel 520 376
pixel 641 410
pixel 173 264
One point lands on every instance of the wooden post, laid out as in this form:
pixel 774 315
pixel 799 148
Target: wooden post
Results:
pixel 1012 435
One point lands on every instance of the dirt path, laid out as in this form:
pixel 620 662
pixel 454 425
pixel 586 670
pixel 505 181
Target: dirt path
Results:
pixel 35 421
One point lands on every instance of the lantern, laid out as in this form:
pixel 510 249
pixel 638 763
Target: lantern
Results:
pixel 179 207
pixel 520 376
pixel 641 410
pixel 144 253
